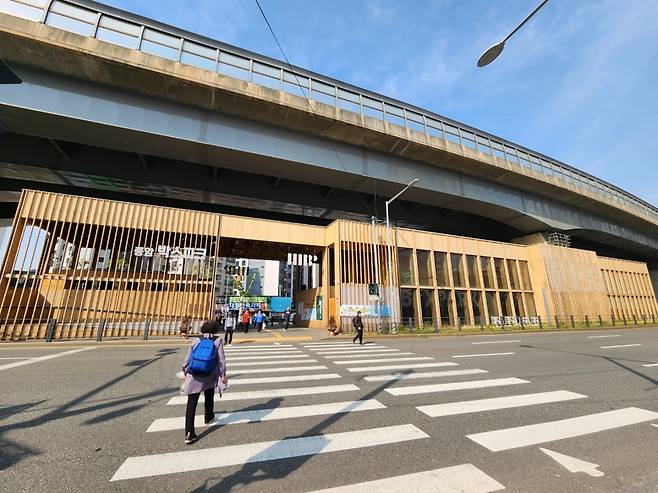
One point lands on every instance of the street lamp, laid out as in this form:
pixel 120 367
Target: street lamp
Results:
pixel 493 51
pixel 389 251
pixel 7 75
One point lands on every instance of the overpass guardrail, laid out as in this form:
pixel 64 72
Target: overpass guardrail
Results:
pixel 89 18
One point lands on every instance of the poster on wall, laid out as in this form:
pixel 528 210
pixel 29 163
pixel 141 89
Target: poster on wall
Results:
pixel 318 307
pixel 366 310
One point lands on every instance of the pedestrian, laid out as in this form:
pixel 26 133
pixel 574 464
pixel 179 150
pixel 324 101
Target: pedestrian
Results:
pixel 358 326
pixel 287 318
pixel 229 327
pixel 259 319
pixel 245 320
pixel 184 328
pixel 204 368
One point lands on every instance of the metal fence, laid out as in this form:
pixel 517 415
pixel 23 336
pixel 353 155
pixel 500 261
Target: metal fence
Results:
pixel 115 26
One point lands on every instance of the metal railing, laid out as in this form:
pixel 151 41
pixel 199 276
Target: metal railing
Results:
pixel 122 28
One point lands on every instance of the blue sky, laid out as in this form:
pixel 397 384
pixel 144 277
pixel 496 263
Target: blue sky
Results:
pixel 579 82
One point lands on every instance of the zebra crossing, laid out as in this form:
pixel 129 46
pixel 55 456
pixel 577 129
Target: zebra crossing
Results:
pixel 398 372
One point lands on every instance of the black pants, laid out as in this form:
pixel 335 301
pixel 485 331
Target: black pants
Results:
pixel 259 326
pixel 359 335
pixel 228 336
pixel 246 327
pixel 192 401
pixel 287 324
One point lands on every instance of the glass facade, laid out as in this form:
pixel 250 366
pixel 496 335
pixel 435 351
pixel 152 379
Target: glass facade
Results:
pixel 487 273
pixel 473 273
pixel 458 278
pixel 501 276
pixel 425 274
pixel 405 267
pixel 442 270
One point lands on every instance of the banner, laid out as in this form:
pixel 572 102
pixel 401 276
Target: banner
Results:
pixel 366 310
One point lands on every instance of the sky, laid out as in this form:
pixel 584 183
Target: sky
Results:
pixel 579 82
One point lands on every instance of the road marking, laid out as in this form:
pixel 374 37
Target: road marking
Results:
pixel 604 337
pixel 428 374
pixel 496 342
pixel 479 405
pixel 360 353
pixel 39 359
pixel 195 460
pixel 348 349
pixel 464 478
pixel 265 352
pixel 281 362
pixel 481 354
pixel 445 387
pixel 289 347
pixel 401 367
pixel 277 370
pixel 329 344
pixel 650 365
pixel 572 464
pixel 620 345
pixel 266 394
pixel 269 414
pixel 269 356
pixel 20 357
pixel 258 346
pixel 289 378
pixel 382 360
pixel 374 354
pixel 523 436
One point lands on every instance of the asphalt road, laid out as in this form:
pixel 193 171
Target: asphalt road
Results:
pixel 78 421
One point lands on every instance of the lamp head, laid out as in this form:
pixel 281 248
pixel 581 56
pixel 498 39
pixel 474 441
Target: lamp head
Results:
pixel 491 54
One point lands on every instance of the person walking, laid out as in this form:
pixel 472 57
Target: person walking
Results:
pixel 259 318
pixel 204 367
pixel 358 326
pixel 229 327
pixel 245 320
pixel 287 318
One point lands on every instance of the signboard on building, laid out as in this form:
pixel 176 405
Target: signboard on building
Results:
pixel 366 310
pixel 251 302
pixel 170 252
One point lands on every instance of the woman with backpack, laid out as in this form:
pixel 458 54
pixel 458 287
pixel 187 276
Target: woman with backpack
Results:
pixel 204 368
pixel 229 327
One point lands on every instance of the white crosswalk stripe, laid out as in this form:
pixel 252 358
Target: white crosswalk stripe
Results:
pixel 195 460
pixel 374 354
pixel 277 370
pixel 268 357
pixel 288 378
pixel 297 361
pixel 348 349
pixel 427 374
pixel 267 352
pixel 464 478
pixel 259 346
pixel 401 366
pixel 475 406
pixel 445 387
pixel 523 436
pixel 496 342
pixel 364 351
pixel 650 365
pixel 383 360
pixel 620 345
pixel 482 354
pixel 266 394
pixel 269 414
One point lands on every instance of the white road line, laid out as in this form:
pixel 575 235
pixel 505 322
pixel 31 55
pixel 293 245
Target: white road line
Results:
pixel 258 415
pixel 289 378
pixel 20 357
pixel 427 374
pixel 242 352
pixel 481 354
pixel 550 431
pixel 402 366
pixel 383 360
pixel 496 342
pixel 328 344
pixel 196 460
pixel 358 353
pixel 620 345
pixel 276 370
pixel 39 359
pixel 348 348
pixel 371 353
pixel 650 365
pixel 604 337
pixel 269 356
pixel 508 402
pixel 445 387
pixel 266 394
pixel 464 478
pixel 259 346
pixel 263 363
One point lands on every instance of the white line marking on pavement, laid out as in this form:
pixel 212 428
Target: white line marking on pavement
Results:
pixel 289 378
pixel 479 405
pixel 266 394
pixel 620 345
pixel 401 367
pixel 259 349
pixel 496 342
pixel 327 344
pixel 445 387
pixel 269 414
pixel 267 346
pixel 195 460
pixel 20 357
pixel 650 365
pixel 348 349
pixel 481 354
pixel 427 374
pixel 264 352
pixel 382 360
pixel 39 359
pixel 262 363
pixel 550 431
pixel 230 357
pixel 464 478
pixel 572 464
pixel 277 370
pixel 360 353
pixel 374 354
pixel 655 425
pixel 604 337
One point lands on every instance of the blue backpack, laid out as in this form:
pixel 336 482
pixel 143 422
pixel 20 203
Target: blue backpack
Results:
pixel 204 358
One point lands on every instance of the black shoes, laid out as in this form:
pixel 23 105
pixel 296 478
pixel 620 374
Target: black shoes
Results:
pixel 190 438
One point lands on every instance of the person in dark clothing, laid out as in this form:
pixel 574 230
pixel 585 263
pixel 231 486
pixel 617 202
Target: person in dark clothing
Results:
pixel 287 318
pixel 358 326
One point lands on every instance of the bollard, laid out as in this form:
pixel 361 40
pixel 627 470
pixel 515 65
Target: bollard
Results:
pixel 147 326
pixel 634 319
pixel 541 325
pixel 522 324
pixel 644 317
pixel 587 320
pixel 613 320
pixel 573 324
pixel 101 330
pixel 51 329
pixel 481 323
pixel 502 323
pixel 600 321
pixel 557 322
pixel 624 319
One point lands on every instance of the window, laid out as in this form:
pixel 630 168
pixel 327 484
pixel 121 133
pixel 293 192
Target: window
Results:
pixel 506 304
pixel 530 309
pixel 525 275
pixel 460 301
pixel 492 306
pixel 476 304
pixel 501 277
pixel 442 274
pixel 518 304
pixel 444 305
pixel 473 274
pixel 405 266
pixel 425 277
pixel 513 274
pixel 457 270
pixel 427 306
pixel 487 272
pixel 408 306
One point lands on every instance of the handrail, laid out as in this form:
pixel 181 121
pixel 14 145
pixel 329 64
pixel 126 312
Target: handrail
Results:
pixel 93 19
